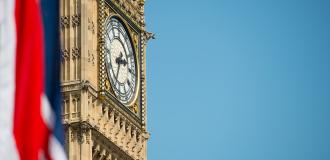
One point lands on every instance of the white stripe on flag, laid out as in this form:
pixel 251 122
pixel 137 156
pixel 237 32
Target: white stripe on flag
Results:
pixel 56 149
pixel 47 113
pixel 7 81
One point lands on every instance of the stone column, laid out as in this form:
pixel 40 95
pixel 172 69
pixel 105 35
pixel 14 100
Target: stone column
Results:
pixel 85 143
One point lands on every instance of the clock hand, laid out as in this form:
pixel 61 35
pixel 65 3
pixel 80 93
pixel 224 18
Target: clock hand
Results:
pixel 124 62
pixel 120 60
pixel 118 71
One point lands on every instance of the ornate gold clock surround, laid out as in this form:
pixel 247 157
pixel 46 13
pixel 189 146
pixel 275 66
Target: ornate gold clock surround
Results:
pixel 108 9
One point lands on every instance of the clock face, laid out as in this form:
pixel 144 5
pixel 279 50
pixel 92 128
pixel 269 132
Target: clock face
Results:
pixel 120 61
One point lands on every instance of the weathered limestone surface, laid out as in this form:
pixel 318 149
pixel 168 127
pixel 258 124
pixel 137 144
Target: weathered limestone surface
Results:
pixel 97 126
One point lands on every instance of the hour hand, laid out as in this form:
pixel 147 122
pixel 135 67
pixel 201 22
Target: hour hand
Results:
pixel 120 60
pixel 124 62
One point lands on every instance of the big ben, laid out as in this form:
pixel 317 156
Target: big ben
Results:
pixel 103 74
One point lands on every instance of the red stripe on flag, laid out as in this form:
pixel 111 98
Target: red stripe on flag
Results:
pixel 30 131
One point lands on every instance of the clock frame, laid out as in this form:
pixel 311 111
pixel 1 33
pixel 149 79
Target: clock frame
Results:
pixel 121 61
pixel 136 108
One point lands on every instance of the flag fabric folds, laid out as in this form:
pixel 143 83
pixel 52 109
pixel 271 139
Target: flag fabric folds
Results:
pixel 30 99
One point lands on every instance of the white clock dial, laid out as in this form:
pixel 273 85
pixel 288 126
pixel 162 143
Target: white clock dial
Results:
pixel 120 61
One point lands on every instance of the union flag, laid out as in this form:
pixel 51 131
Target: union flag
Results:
pixel 30 99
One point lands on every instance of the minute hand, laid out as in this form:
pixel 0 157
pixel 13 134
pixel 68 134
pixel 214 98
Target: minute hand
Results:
pixel 118 59
pixel 117 71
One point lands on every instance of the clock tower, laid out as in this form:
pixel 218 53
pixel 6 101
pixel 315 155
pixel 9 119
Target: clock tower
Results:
pixel 103 74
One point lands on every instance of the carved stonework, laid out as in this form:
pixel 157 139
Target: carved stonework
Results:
pixel 85 85
pixel 73 136
pixel 84 130
pixel 65 21
pixel 133 9
pixel 64 54
pixel 80 132
pixel 75 53
pixel 91 26
pixel 76 20
pixel 135 108
pixel 149 35
pixel 91 57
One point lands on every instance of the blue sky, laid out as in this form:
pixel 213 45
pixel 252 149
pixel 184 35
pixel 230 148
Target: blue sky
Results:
pixel 239 80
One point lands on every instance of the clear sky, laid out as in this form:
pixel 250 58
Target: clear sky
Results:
pixel 239 79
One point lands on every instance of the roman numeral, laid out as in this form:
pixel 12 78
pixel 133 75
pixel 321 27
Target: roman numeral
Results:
pixel 130 85
pixel 131 71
